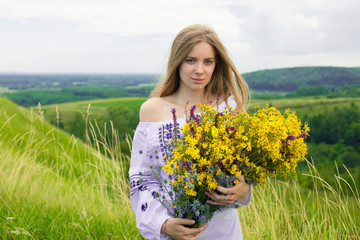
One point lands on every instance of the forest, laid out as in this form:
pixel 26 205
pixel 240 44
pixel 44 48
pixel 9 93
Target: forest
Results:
pixel 290 79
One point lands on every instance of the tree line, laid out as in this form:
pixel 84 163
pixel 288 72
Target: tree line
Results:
pixel 29 98
pixel 123 119
pixel 335 138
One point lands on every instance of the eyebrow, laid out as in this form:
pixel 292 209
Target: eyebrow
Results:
pixel 212 58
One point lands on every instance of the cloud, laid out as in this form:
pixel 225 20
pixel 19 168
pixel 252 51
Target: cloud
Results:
pixel 125 18
pixel 135 35
pixel 277 26
pixel 299 27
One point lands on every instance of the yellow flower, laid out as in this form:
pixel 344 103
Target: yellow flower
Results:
pixel 261 136
pixel 212 184
pixel 190 192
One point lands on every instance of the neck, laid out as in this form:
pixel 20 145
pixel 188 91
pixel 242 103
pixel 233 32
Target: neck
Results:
pixel 190 98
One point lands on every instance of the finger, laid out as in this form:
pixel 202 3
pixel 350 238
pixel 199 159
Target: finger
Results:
pixel 210 194
pixel 221 198
pixel 222 190
pixel 231 190
pixel 194 231
pixel 184 221
pixel 216 203
pixel 197 235
pixel 214 196
pixel 203 227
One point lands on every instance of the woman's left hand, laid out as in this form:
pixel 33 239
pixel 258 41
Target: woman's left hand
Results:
pixel 228 195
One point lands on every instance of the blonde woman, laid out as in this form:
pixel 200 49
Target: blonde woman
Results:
pixel 198 69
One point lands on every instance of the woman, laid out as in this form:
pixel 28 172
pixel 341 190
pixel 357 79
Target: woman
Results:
pixel 198 69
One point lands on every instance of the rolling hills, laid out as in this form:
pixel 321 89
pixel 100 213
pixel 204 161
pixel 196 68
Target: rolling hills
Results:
pixel 28 90
pixel 290 79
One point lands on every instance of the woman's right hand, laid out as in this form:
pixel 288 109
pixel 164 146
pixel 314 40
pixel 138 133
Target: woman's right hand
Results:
pixel 176 229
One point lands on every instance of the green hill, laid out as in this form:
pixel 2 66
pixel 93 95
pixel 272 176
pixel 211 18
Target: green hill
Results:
pixel 289 79
pixel 54 186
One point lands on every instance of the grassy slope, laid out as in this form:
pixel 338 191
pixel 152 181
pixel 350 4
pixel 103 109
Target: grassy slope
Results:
pixel 55 187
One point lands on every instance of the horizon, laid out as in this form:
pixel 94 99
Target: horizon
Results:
pixel 144 73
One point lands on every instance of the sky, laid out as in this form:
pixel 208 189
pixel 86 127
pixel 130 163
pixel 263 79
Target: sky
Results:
pixel 134 36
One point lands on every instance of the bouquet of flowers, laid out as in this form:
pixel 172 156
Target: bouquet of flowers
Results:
pixel 214 148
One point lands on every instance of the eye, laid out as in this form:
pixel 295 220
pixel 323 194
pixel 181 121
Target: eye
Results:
pixel 190 60
pixel 208 62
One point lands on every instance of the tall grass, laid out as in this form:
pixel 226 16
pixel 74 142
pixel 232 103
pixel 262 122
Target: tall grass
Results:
pixel 284 210
pixel 54 186
pixel 77 193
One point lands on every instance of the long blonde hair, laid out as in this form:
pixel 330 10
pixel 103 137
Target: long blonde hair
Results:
pixel 225 78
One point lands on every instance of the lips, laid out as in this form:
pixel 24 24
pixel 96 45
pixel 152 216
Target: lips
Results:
pixel 198 80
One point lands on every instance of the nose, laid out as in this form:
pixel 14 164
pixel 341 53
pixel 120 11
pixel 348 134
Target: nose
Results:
pixel 199 68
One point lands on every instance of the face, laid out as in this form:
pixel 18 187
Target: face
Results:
pixel 196 71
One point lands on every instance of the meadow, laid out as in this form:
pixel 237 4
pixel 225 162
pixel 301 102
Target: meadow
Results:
pixel 302 105
pixel 54 186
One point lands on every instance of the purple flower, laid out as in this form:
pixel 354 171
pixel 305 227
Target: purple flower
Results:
pixel 221 165
pixel 173 111
pixel 216 118
pixel 192 110
pixel 169 135
pixel 303 135
pixel 185 179
pixel 192 130
pixel 202 219
pixel 168 126
pixel 290 137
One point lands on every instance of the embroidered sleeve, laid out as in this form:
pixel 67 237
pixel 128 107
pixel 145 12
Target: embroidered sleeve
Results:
pixel 150 213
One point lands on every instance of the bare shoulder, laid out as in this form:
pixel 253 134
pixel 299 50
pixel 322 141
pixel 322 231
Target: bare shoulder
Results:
pixel 151 110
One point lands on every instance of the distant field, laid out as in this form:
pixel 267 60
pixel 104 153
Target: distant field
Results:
pixel 305 105
pixel 308 105
pixel 67 110
pixel 5 90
